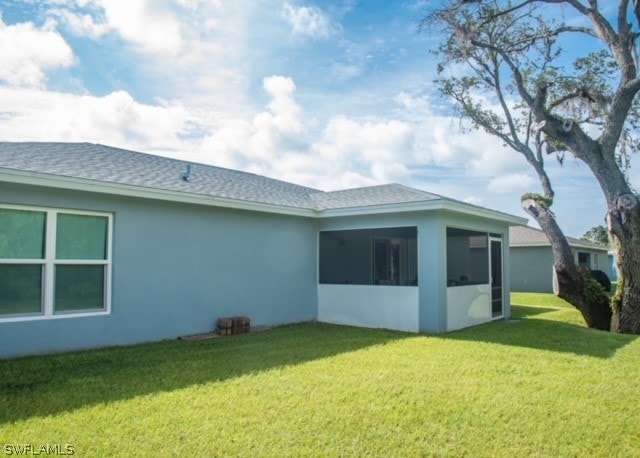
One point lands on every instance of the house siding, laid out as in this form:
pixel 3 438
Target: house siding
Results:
pixel 176 268
pixel 599 258
pixel 532 267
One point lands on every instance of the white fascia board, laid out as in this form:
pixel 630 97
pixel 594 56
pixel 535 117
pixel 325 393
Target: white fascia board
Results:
pixel 82 184
pixel 87 185
pixel 461 207
pixel 435 204
pixel 382 209
pixel 574 246
pixel 529 245
pixel 429 205
pixel 587 247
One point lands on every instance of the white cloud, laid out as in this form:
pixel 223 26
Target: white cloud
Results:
pixel 364 153
pixel 115 119
pixel 210 71
pixel 308 21
pixel 511 183
pixel 243 144
pixel 146 23
pixel 153 27
pixel 446 140
pixel 192 50
pixel 474 200
pixel 277 142
pixel 383 141
pixel 27 52
pixel 81 24
pixel 286 112
pixel 343 72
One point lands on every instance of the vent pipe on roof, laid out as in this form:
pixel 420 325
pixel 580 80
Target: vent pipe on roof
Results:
pixel 184 176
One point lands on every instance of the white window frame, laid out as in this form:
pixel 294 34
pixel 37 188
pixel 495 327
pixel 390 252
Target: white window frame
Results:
pixel 49 263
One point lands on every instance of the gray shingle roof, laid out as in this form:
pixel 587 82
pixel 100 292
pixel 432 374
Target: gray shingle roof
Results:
pixel 113 165
pixel 373 195
pixel 108 165
pixel 529 236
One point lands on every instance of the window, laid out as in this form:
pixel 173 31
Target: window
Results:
pixel 584 260
pixel 385 256
pixel 467 258
pixel 53 262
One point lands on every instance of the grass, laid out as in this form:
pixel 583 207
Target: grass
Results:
pixel 539 385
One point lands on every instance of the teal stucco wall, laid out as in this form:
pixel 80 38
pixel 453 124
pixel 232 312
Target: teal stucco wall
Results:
pixel 176 268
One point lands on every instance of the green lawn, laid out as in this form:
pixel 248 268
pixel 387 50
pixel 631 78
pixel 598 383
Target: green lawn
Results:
pixel 539 385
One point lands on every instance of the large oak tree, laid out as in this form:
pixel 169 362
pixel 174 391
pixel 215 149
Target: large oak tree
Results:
pixel 505 65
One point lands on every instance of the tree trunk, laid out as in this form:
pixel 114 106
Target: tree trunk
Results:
pixel 623 223
pixel 572 284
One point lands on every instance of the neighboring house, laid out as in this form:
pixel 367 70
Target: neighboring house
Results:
pixel 613 270
pixel 532 259
pixel 102 246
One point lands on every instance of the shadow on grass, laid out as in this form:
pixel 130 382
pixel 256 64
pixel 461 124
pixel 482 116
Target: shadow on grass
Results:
pixel 529 331
pixel 525 311
pixel 53 384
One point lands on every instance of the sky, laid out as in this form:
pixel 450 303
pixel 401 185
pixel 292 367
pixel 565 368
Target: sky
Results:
pixel 326 94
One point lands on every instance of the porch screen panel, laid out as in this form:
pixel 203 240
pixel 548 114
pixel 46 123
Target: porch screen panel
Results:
pixel 467 257
pixel 381 256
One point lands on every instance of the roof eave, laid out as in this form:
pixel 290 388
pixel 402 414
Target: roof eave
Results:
pixel 87 185
pixel 381 208
pixel 461 207
pixel 428 205
pixel 547 244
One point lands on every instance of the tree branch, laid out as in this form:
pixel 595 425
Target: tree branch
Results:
pixel 505 108
pixel 508 11
pixel 620 106
pixel 512 66
pixel 623 25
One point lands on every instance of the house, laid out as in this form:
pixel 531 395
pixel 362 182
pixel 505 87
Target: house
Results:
pixel 532 261
pixel 102 246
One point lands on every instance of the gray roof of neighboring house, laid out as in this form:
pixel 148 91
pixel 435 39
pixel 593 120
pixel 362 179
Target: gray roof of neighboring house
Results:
pixel 523 236
pixel 115 166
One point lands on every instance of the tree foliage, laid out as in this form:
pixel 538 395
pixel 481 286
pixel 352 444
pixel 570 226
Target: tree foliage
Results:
pixel 504 64
pixel 598 235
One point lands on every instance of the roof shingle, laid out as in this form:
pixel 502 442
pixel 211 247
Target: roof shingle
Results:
pixel 113 165
pixel 529 236
pixel 109 165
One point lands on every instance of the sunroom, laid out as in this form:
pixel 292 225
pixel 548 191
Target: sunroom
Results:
pixel 363 271
pixel 433 272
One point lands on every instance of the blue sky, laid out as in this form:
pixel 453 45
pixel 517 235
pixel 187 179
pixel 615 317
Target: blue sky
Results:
pixel 326 94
